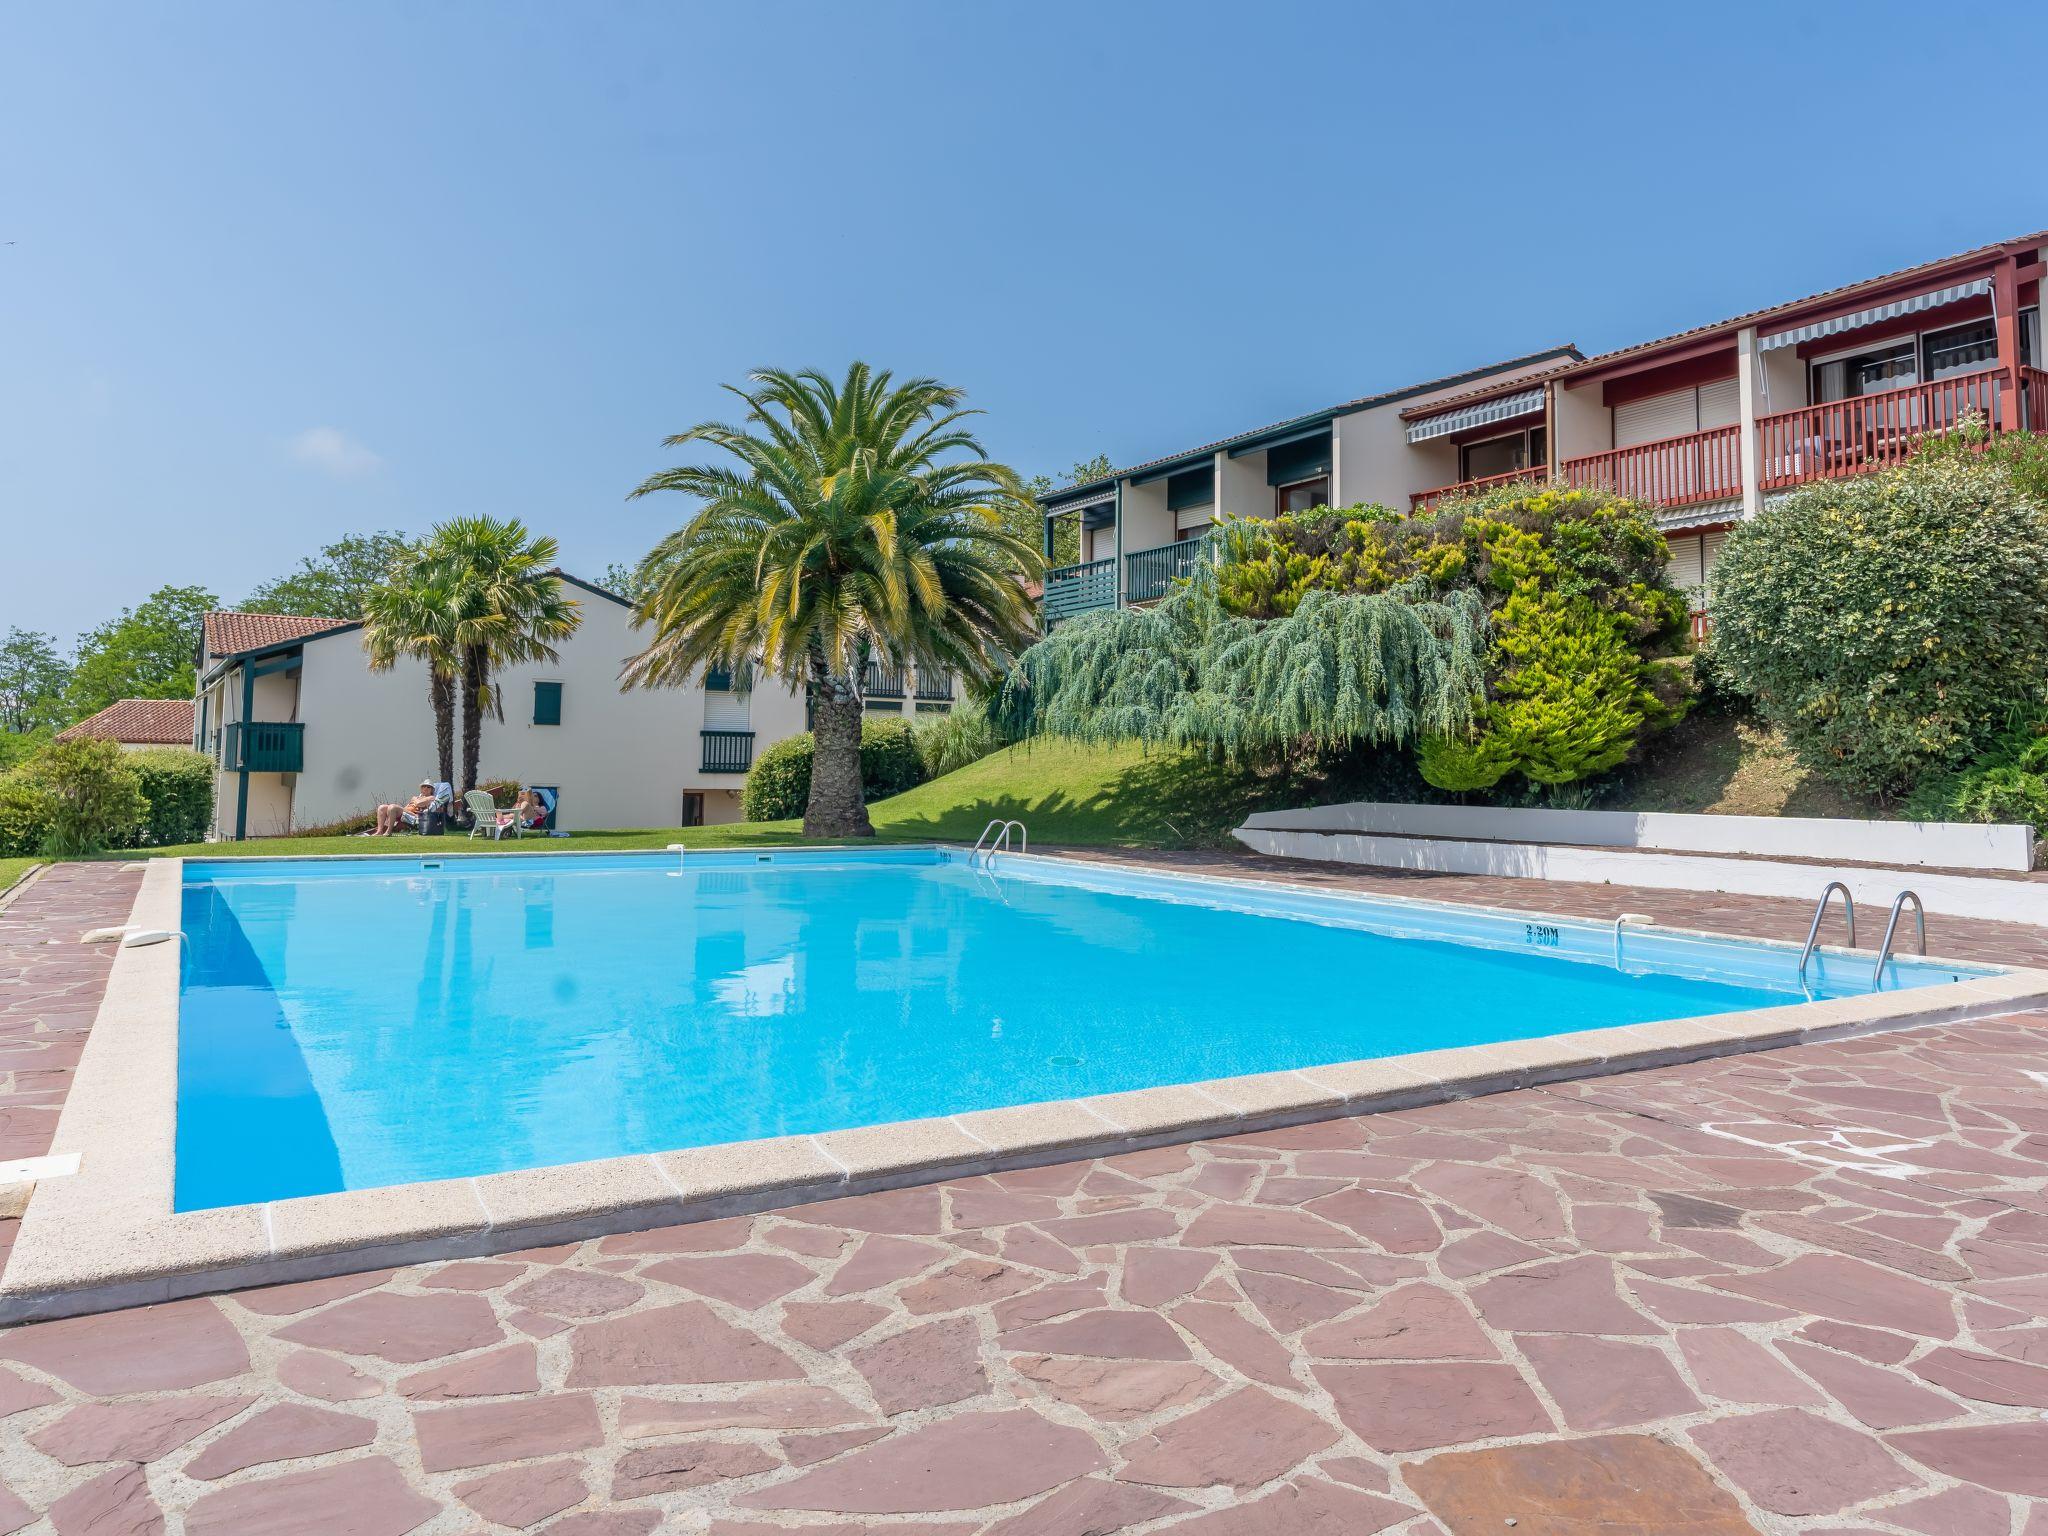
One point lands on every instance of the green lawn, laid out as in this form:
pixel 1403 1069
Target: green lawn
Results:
pixel 1066 794
pixel 12 870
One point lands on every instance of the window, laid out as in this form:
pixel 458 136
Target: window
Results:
pixel 1961 349
pixel 1893 366
pixel 1303 494
pixel 717 680
pixel 1495 456
pixel 547 703
pixel 693 808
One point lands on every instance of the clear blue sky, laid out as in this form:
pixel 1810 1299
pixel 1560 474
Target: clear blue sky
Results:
pixel 279 272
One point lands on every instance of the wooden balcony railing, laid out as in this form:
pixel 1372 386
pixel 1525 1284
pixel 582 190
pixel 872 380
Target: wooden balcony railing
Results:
pixel 1671 472
pixel 266 746
pixel 2034 399
pixel 1152 572
pixel 1846 437
pixel 1425 501
pixel 728 751
pixel 1702 625
pixel 1072 589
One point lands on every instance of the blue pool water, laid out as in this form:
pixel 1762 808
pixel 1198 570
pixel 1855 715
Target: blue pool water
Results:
pixel 352 1023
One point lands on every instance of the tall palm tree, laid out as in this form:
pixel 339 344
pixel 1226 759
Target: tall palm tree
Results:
pixel 412 615
pixel 858 521
pixel 506 606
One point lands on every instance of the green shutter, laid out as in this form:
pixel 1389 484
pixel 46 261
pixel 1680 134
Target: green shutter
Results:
pixel 1289 462
pixel 1191 488
pixel 547 703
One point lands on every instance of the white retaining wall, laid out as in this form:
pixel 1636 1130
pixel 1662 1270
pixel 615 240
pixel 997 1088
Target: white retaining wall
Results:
pixel 2003 900
pixel 1943 844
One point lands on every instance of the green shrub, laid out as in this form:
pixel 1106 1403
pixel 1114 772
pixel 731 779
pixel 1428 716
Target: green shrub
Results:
pixel 95 798
pixel 17 747
pixel 779 784
pixel 25 814
pixel 962 735
pixel 177 786
pixel 1890 624
pixel 2007 782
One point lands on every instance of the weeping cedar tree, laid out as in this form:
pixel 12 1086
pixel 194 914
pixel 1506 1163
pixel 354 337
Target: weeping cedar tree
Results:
pixel 1340 670
pixel 858 521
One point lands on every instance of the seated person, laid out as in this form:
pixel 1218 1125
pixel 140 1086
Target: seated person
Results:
pixel 527 812
pixel 391 817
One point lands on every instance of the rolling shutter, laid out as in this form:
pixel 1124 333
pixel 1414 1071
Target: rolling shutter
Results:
pixel 1686 571
pixel 725 711
pixel 1720 404
pixel 1287 463
pixel 1660 416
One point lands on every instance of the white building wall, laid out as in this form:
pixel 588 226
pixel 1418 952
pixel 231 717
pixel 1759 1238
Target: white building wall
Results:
pixel 1147 522
pixel 619 760
pixel 1241 489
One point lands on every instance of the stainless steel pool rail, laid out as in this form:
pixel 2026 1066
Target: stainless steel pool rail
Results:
pixel 1884 950
pixel 1820 911
pixel 1001 843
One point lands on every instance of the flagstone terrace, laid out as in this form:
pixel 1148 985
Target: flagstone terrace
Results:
pixel 1804 1290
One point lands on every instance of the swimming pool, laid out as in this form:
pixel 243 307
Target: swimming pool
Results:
pixel 349 1024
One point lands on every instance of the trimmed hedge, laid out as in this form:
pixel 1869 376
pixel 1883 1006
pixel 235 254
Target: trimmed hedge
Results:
pixel 1889 625
pixel 779 785
pixel 177 786
pixel 71 798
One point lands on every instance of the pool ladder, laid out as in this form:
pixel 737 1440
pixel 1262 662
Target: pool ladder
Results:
pixel 995 838
pixel 1891 926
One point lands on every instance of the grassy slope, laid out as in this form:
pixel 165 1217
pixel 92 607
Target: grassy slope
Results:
pixel 1064 793
pixel 1723 765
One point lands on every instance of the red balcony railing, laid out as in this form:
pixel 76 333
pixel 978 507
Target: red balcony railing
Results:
pixel 2034 399
pixel 1846 437
pixel 1702 625
pixel 1424 501
pixel 1671 472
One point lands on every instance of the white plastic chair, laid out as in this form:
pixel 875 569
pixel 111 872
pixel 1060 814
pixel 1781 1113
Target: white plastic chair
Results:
pixel 483 813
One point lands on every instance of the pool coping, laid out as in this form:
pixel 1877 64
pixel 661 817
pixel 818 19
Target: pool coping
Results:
pixel 106 1237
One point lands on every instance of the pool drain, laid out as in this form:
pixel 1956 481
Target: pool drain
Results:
pixel 1063 1061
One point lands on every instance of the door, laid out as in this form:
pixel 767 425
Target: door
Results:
pixel 693 808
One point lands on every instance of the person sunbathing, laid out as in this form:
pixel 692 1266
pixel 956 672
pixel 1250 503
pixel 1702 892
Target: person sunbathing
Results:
pixel 527 812
pixel 391 817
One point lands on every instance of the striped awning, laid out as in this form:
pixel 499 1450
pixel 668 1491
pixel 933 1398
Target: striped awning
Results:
pixel 1505 408
pixel 1874 314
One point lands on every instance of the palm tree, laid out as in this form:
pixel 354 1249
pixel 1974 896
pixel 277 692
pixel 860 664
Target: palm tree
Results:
pixel 412 615
pixel 860 521
pixel 506 606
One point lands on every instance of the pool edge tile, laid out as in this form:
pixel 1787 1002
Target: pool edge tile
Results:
pixel 740 1168
pixel 568 1192
pixel 877 1151
pixel 310 1225
pixel 1053 1126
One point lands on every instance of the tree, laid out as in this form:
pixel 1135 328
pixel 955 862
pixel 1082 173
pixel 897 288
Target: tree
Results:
pixel 32 679
pixel 627 579
pixel 150 652
pixel 1066 533
pixel 411 614
pixel 858 520
pixel 337 582
pixel 507 606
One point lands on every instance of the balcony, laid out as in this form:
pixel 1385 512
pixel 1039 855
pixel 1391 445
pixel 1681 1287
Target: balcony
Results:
pixel 1077 589
pixel 1426 501
pixel 728 751
pixel 1151 573
pixel 881 681
pixel 934 688
pixel 1671 472
pixel 265 746
pixel 1863 432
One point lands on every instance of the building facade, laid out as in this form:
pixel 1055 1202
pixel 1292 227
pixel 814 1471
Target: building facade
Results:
pixel 1704 426
pixel 306 735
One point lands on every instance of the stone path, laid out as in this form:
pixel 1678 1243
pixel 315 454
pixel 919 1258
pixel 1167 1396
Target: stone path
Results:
pixel 1802 1291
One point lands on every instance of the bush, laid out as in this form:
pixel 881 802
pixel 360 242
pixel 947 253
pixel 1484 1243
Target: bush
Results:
pixel 779 785
pixel 25 813
pixel 94 798
pixel 2008 782
pixel 1581 617
pixel 177 787
pixel 963 735
pixel 1889 625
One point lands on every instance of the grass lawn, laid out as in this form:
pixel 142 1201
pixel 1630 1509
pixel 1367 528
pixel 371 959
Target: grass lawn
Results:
pixel 12 870
pixel 1065 794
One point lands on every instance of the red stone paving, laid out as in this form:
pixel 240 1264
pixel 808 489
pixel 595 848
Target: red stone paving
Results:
pixel 1797 1291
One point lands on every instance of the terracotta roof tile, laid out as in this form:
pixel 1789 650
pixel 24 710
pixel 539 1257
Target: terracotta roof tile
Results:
pixel 228 633
pixel 138 722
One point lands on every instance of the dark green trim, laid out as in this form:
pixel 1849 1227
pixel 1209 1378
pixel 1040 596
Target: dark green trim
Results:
pixel 241 764
pixel 547 703
pixel 1191 488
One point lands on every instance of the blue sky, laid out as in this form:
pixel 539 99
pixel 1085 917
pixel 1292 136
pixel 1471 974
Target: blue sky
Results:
pixel 271 273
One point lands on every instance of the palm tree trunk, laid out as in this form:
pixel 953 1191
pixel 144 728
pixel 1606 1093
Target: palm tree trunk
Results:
pixel 441 691
pixel 476 682
pixel 836 807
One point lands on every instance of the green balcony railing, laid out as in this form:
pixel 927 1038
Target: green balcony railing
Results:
pixel 1151 572
pixel 266 746
pixel 1072 589
pixel 728 751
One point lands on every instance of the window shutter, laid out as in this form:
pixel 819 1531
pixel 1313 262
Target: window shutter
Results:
pixel 547 703
pixel 1190 489
pixel 1660 416
pixel 1289 462
pixel 1720 404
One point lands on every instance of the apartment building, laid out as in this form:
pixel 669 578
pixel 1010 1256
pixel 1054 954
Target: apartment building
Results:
pixel 1704 426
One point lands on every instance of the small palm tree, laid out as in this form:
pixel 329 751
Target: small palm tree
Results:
pixel 412 615
pixel 506 606
pixel 859 521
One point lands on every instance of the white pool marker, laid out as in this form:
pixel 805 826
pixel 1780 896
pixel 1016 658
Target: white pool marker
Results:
pixel 33 1170
pixel 145 936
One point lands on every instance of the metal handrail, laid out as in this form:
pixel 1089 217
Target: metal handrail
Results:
pixel 1820 911
pixel 1620 919
pixel 1001 843
pixel 1884 950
